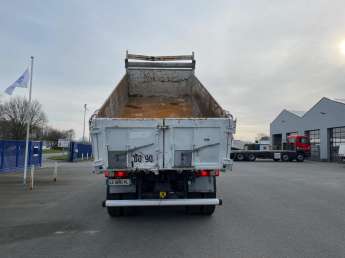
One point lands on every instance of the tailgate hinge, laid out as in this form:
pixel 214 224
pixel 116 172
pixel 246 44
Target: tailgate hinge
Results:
pixel 162 127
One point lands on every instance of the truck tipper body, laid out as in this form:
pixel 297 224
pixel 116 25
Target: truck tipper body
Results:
pixel 160 138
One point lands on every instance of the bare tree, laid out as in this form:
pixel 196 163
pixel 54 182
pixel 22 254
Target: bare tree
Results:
pixel 13 115
pixel 69 134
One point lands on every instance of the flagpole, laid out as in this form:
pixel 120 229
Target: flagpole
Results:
pixel 84 124
pixel 28 122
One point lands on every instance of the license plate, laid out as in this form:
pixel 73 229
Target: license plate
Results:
pixel 119 181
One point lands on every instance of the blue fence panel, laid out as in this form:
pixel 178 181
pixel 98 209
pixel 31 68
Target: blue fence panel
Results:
pixel 78 151
pixel 12 155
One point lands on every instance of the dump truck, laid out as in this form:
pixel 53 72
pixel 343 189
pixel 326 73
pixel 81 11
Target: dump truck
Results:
pixel 160 138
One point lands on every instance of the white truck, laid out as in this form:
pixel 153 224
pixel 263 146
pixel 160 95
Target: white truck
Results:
pixel 160 138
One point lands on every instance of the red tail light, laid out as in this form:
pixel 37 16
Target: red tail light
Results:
pixel 106 173
pixel 207 173
pixel 204 173
pixel 121 174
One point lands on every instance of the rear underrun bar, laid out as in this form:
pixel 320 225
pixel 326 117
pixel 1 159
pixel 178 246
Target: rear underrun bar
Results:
pixel 163 202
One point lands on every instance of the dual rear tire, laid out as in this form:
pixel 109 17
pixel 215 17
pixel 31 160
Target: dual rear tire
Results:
pixel 286 157
pixel 242 157
pixel 115 211
pixel 120 211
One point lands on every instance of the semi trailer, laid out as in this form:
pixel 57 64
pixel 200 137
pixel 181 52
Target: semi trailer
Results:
pixel 297 148
pixel 160 138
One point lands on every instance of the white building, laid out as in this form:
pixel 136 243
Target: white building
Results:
pixel 324 123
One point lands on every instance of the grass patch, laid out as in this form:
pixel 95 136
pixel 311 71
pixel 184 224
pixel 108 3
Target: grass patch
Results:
pixel 59 158
pixel 52 151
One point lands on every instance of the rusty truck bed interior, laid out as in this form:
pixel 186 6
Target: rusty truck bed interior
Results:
pixel 156 107
pixel 160 90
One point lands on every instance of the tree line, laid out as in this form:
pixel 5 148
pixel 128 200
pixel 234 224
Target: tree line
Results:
pixel 13 117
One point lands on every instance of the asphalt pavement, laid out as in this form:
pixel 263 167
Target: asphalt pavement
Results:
pixel 270 209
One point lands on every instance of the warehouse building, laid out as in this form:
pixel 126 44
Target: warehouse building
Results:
pixel 324 123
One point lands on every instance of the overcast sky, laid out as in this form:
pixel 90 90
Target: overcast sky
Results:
pixel 255 57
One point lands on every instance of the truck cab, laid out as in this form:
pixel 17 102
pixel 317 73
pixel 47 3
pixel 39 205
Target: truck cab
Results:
pixel 299 143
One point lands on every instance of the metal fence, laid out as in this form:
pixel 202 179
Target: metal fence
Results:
pixel 79 151
pixel 12 155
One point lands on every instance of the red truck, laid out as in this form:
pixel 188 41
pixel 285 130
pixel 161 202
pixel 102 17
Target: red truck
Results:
pixel 296 148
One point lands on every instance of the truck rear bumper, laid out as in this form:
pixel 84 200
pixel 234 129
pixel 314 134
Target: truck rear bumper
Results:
pixel 161 202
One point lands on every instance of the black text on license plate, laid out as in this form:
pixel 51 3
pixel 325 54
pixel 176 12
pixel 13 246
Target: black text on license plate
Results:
pixel 119 181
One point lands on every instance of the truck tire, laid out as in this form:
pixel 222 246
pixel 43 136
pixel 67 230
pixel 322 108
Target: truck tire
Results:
pixel 208 210
pixel 120 211
pixel 193 210
pixel 115 211
pixel 240 156
pixel 285 157
pixel 300 157
pixel 251 157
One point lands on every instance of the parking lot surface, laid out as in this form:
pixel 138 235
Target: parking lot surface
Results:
pixel 270 209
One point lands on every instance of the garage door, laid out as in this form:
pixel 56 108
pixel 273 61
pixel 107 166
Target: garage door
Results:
pixel 337 136
pixel 314 138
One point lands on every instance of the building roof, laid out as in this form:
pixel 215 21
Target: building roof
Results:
pixel 300 113
pixel 302 116
pixel 297 112
pixel 341 100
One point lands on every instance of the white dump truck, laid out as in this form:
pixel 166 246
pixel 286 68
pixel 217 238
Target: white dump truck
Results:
pixel 160 138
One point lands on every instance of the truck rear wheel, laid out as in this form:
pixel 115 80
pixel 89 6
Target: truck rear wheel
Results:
pixel 240 157
pixel 115 211
pixel 208 209
pixel 285 157
pixel 300 157
pixel 120 211
pixel 251 157
pixel 201 210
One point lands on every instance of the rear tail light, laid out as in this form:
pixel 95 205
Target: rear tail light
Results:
pixel 204 173
pixel 116 174
pixel 207 173
pixel 121 174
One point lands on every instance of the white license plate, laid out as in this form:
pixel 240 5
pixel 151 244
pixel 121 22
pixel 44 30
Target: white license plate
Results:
pixel 118 181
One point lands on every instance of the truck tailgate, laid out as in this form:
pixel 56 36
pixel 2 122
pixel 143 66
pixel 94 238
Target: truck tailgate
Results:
pixel 196 143
pixel 162 143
